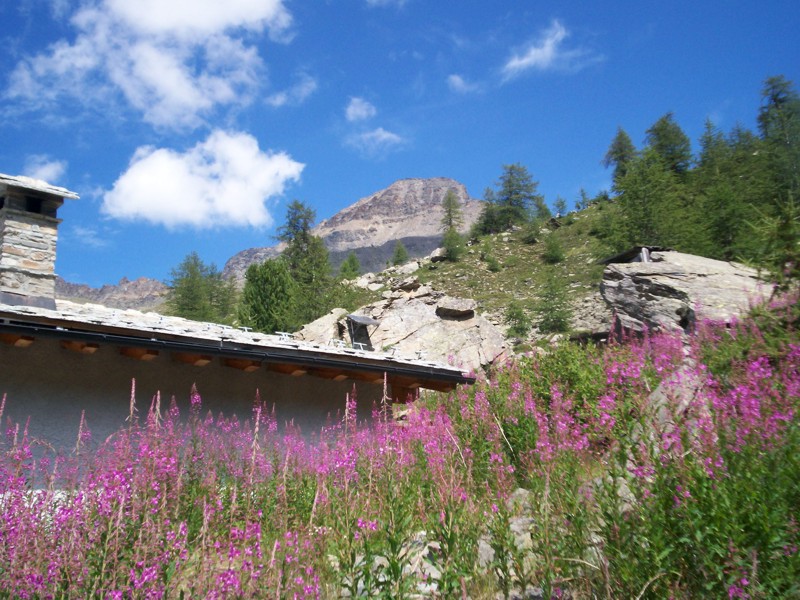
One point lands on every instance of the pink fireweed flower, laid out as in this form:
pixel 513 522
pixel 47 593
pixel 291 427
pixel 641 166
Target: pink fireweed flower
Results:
pixel 606 405
pixel 681 496
pixel 736 590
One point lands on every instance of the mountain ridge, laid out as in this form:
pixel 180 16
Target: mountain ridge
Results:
pixel 409 210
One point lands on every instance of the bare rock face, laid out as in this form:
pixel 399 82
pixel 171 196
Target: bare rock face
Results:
pixel 140 294
pixel 591 314
pixel 408 207
pixel 675 290
pixel 409 210
pixel 236 266
pixel 325 328
pixel 410 325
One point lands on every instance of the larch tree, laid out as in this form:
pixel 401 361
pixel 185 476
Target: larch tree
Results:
pixel 666 138
pixel 452 217
pixel 350 267
pixel 307 260
pixel 400 255
pixel 779 124
pixel 270 297
pixel 199 291
pixel 620 153
pixel 452 220
pixel 517 197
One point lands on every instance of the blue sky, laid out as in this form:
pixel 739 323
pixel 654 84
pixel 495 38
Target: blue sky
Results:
pixel 189 125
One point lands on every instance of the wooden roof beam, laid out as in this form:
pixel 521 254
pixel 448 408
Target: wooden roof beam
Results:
pixel 286 369
pixel 16 339
pixel 80 347
pixel 243 364
pixel 139 353
pixel 190 358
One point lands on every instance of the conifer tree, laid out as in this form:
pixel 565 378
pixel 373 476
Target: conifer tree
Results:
pixel 779 123
pixel 453 217
pixel 647 196
pixel 517 196
pixel 620 154
pixel 515 202
pixel 400 256
pixel 199 291
pixel 307 260
pixel 350 267
pixel 269 298
pixel 453 244
pixel 489 220
pixel 553 308
pixel 670 143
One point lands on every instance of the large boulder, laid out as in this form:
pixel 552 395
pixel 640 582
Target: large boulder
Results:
pixel 675 290
pixel 456 308
pixel 422 323
pixel 324 329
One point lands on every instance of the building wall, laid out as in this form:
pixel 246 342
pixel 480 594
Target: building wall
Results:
pixel 52 385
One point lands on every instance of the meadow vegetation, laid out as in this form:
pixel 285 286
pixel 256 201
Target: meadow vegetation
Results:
pixel 653 467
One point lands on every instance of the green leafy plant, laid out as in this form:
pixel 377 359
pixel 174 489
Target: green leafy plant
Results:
pixel 518 321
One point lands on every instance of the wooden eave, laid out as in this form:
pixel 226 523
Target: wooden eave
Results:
pixel 291 359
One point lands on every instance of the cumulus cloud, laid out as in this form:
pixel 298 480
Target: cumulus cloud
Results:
pixel 41 166
pixel 175 62
pixel 224 181
pixel 195 19
pixel 297 94
pixel 376 143
pixel 359 109
pixel 547 52
pixel 458 84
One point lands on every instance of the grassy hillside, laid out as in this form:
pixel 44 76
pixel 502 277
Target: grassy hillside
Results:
pixel 497 269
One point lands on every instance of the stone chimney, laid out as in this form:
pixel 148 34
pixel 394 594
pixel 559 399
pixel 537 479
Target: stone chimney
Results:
pixel 28 234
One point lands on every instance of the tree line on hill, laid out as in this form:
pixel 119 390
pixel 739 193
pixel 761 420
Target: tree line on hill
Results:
pixel 279 294
pixel 733 200
pixel 285 293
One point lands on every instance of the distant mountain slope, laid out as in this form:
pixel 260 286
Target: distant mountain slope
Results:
pixel 409 210
pixel 408 207
pixel 140 294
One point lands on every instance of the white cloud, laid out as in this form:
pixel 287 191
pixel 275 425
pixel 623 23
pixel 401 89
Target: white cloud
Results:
pixel 175 62
pixel 458 84
pixel 386 2
pixel 548 53
pixel 375 143
pixel 296 94
pixel 199 18
pixel 223 181
pixel 41 166
pixel 88 236
pixel 359 109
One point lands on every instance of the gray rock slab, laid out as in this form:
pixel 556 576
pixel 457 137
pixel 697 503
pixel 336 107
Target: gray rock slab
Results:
pixel 676 290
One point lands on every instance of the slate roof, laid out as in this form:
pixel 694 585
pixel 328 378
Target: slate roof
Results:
pixel 101 324
pixel 20 181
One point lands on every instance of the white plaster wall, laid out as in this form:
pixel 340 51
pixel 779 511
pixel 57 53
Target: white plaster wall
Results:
pixel 51 386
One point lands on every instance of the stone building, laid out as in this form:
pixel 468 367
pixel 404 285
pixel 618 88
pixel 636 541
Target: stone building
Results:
pixel 60 359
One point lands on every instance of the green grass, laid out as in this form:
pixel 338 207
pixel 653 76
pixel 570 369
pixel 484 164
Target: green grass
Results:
pixel 522 269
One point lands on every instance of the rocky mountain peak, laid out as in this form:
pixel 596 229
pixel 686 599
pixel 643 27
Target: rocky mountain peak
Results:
pixel 408 207
pixel 409 210
pixel 140 294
